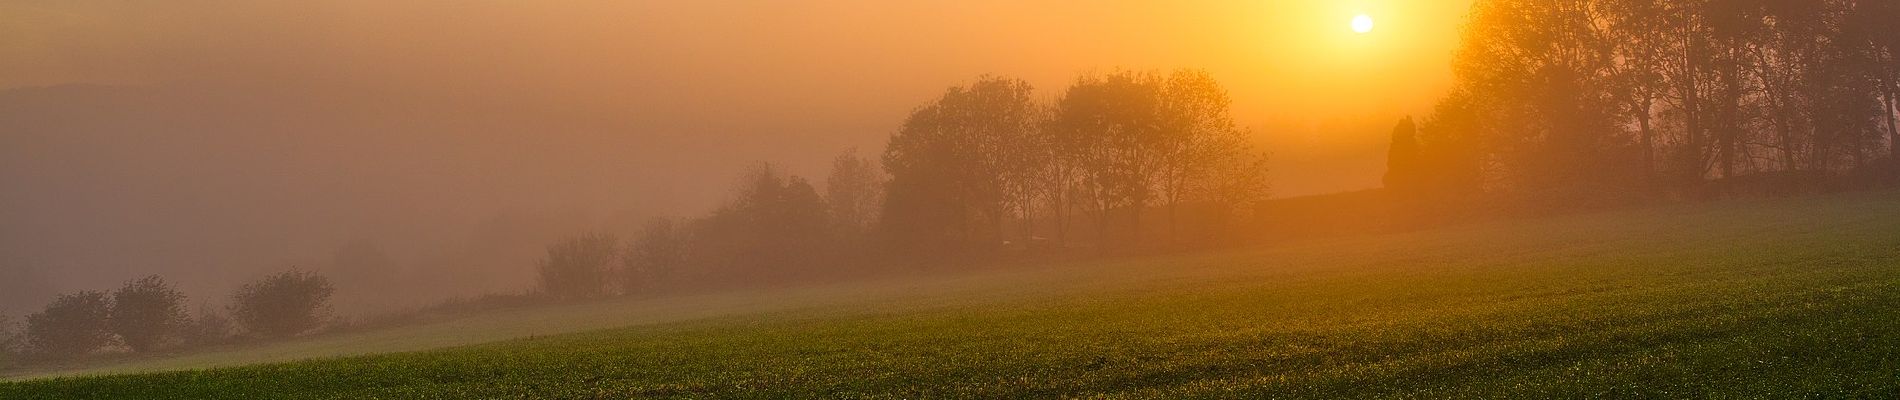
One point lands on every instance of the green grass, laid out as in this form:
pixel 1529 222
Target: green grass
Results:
pixel 1762 299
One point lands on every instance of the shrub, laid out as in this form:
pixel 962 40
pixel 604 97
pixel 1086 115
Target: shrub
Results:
pixel 207 327
pixel 9 341
pixel 282 305
pixel 147 313
pixel 653 257
pixel 578 267
pixel 72 325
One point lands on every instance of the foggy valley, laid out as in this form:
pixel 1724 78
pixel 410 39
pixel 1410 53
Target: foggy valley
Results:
pixel 214 143
pixel 593 199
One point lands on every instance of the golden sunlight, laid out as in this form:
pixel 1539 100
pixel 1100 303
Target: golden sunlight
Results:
pixel 1362 23
pixel 1004 199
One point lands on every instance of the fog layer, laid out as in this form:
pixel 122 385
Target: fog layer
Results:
pixel 213 142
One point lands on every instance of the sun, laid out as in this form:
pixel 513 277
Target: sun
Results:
pixel 1362 23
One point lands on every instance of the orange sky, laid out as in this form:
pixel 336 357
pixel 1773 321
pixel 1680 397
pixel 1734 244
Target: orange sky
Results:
pixel 259 134
pixel 838 72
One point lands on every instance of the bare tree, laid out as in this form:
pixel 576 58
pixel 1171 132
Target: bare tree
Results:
pixel 854 191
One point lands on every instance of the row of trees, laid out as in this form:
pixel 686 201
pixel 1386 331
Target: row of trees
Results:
pixel 987 156
pixel 1567 100
pixel 777 227
pixel 982 168
pixel 149 314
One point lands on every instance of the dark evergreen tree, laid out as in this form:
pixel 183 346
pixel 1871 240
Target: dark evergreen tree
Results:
pixel 1402 167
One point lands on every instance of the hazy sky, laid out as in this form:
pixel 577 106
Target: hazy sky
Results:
pixel 284 128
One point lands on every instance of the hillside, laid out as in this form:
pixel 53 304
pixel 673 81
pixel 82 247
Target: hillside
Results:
pixel 1771 298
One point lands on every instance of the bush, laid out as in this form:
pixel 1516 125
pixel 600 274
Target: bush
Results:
pixel 579 266
pixel 73 325
pixel 653 257
pixel 147 313
pixel 9 341
pixel 282 305
pixel 208 327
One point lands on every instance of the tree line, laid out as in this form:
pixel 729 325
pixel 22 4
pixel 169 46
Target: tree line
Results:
pixel 985 165
pixel 1555 104
pixel 148 314
pixel 776 228
pixel 982 169
pixel 1567 103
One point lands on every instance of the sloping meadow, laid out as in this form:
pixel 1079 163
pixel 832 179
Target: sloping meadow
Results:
pixel 1778 298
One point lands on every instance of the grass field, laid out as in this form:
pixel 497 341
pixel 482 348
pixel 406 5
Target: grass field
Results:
pixel 1775 299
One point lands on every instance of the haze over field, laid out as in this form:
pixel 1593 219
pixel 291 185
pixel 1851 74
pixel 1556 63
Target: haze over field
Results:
pixel 215 141
pixel 964 199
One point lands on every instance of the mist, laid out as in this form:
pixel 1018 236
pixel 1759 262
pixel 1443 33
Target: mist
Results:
pixel 214 142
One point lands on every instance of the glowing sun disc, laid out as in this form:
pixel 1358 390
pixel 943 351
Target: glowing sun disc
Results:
pixel 1362 23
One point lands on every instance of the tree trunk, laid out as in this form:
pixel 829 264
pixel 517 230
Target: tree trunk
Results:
pixel 1102 214
pixel 1061 215
pixel 1649 143
pixel 1134 225
pixel 1173 224
pixel 1029 224
pixel 1692 113
pixel 1785 135
pixel 1060 207
pixel 1893 132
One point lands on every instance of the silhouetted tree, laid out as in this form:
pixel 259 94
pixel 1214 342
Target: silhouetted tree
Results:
pixel 1874 20
pixel 1199 145
pixel 1640 32
pixel 207 327
pixel 854 192
pixel 984 156
pixel 654 257
pixel 1132 140
pixel 578 267
pixel 1541 71
pixel 775 228
pixel 1450 160
pixel 1111 127
pixel 949 164
pixel 1025 160
pixel 1402 159
pixel 1235 185
pixel 146 313
pixel 74 324
pixel 9 340
pixel 1707 93
pixel 283 304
